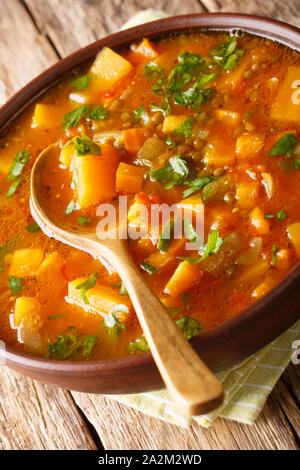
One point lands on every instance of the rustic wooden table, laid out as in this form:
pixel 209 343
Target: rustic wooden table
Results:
pixel 33 35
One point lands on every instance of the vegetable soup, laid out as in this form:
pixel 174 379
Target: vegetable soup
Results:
pixel 203 120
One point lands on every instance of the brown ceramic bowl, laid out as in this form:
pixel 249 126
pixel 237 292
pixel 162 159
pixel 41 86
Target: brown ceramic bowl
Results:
pixel 220 347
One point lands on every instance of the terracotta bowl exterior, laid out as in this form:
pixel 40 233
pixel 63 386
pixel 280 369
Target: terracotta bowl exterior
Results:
pixel 220 347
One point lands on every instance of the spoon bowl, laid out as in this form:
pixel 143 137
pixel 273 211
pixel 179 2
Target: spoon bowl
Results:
pixel 191 384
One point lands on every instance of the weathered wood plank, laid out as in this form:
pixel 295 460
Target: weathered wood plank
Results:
pixel 72 25
pixel 37 416
pixel 288 10
pixel 24 52
pixel 120 427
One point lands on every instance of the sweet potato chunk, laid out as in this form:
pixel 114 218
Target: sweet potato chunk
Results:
pixel 129 178
pixel 109 67
pixel 247 194
pixel 25 262
pixel 249 145
pixel 257 219
pixel 146 49
pixel 294 234
pixel 287 104
pixel 134 139
pixel 96 176
pixel 184 277
pixel 172 122
pixel 218 153
pixel 47 115
pixel 101 299
pixel 28 308
pixel 232 118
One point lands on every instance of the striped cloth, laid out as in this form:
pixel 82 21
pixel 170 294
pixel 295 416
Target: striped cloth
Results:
pixel 247 385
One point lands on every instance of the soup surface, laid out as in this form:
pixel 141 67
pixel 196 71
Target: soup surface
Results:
pixel 205 122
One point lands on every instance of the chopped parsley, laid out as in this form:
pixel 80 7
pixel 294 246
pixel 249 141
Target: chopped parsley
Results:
pixel 71 207
pixel 83 220
pixel 284 146
pixel 15 284
pixel 111 321
pixel 81 83
pixel 139 113
pixel 185 128
pixel 54 317
pixel 98 113
pixel 84 145
pixel 122 287
pixel 274 254
pixel 195 185
pixel 70 343
pixel 280 215
pixel 189 326
pixel 73 118
pixel 33 227
pixel 14 186
pixel 18 164
pixel 226 54
pixel 212 246
pixel 173 174
pixel 166 237
pixel 152 270
pixel 85 286
pixel 139 345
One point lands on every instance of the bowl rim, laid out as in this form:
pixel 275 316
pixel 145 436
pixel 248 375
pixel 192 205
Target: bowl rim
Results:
pixel 250 318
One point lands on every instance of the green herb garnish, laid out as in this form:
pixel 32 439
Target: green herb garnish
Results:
pixel 173 174
pixel 226 54
pixel 284 146
pixel 18 164
pixel 166 237
pixel 274 254
pixel 81 83
pixel 14 186
pixel 189 326
pixel 15 284
pixel 280 215
pixel 195 185
pixel 54 317
pixel 185 128
pixel 71 207
pixel 83 220
pixel 85 286
pixel 73 118
pixel 122 287
pixel 84 145
pixel 139 113
pixel 98 113
pixel 70 343
pixel 152 270
pixel 33 227
pixel 113 324
pixel 139 345
pixel 212 246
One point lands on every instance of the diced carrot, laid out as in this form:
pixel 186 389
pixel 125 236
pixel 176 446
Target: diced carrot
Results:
pixel 191 205
pixel 257 219
pixel 163 261
pixel 287 103
pixel 294 234
pixel 96 176
pixel 249 145
pixel 129 178
pixel 184 277
pixel 146 49
pixel 134 139
pixel 283 258
pixel 51 263
pixel 172 122
pixel 25 262
pixel 247 194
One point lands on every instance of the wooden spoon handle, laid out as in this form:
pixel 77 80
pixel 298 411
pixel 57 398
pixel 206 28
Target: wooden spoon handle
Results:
pixel 191 384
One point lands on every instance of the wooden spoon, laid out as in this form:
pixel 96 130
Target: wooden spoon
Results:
pixel 191 384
